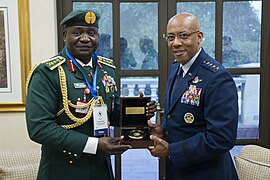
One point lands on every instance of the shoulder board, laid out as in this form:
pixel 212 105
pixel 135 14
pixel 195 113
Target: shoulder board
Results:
pixel 209 65
pixel 106 61
pixel 54 62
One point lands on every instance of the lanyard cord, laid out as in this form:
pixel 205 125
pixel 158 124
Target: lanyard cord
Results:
pixel 92 87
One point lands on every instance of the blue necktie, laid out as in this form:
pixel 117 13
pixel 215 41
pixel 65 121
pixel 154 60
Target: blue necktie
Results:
pixel 176 85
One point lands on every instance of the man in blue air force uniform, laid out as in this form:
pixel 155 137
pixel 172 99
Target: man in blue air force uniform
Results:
pixel 71 99
pixel 201 109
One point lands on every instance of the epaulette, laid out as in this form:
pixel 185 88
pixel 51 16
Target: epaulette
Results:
pixel 210 66
pixel 106 61
pixel 54 62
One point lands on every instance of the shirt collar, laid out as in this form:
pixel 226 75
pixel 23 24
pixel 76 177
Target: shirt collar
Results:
pixel 189 63
pixel 82 64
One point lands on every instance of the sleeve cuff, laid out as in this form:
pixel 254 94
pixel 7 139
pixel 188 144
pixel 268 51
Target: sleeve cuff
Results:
pixel 91 145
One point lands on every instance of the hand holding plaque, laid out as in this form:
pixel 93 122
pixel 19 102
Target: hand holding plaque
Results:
pixel 134 117
pixel 110 145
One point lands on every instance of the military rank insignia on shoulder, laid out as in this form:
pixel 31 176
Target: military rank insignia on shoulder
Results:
pixel 210 66
pixel 106 61
pixel 54 62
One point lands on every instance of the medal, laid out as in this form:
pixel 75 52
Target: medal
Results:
pixel 107 89
pixel 112 89
pixel 136 134
pixel 87 91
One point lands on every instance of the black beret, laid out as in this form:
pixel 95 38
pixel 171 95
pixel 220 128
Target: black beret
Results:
pixel 81 18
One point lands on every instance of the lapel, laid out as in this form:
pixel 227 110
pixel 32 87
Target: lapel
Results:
pixel 174 72
pixel 78 73
pixel 100 75
pixel 171 78
pixel 190 75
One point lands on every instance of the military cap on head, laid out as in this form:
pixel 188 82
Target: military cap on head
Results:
pixel 81 18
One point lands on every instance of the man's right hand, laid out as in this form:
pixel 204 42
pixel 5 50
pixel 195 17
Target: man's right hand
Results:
pixel 110 145
pixel 155 129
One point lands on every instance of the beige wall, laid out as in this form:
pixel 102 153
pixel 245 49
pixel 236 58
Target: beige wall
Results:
pixel 43 36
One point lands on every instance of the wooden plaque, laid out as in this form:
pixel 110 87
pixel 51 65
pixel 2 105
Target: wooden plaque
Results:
pixel 133 121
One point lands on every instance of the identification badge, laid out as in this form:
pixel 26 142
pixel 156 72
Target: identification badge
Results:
pixel 81 110
pixel 100 120
pixel 79 85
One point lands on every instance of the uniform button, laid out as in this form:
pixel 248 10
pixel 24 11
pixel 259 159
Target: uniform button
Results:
pixel 166 133
pixel 69 153
pixel 75 155
pixel 64 151
pixel 70 162
pixel 168 116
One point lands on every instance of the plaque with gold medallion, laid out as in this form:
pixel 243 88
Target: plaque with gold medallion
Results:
pixel 133 120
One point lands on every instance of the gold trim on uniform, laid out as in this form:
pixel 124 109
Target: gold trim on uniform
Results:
pixel 51 63
pixel 106 61
pixel 54 62
pixel 67 103
pixel 189 118
pixel 29 77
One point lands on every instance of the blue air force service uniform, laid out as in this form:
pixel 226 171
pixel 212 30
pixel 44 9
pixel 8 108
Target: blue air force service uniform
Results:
pixel 201 123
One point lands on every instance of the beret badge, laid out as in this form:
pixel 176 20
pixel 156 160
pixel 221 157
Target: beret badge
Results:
pixel 90 17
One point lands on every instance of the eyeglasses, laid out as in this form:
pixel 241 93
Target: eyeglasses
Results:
pixel 181 36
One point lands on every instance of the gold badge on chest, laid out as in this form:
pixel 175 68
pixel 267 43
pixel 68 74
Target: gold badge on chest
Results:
pixel 196 80
pixel 189 118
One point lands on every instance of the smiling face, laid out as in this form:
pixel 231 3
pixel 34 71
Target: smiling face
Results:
pixel 81 41
pixel 184 37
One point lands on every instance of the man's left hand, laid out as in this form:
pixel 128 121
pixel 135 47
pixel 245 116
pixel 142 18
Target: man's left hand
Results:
pixel 161 147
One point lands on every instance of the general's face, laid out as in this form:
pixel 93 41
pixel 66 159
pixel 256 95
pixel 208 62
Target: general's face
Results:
pixel 81 41
pixel 183 39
